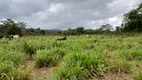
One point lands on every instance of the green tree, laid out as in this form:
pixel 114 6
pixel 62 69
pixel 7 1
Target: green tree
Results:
pixel 133 20
pixel 118 29
pixel 10 27
pixel 107 28
pixel 89 31
pixel 71 31
pixel 22 25
pixel 42 32
pixel 80 30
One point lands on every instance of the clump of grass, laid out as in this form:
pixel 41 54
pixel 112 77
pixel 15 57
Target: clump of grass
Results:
pixel 48 58
pixel 80 66
pixel 20 73
pixel 60 53
pixel 8 71
pixel 4 76
pixel 117 63
pixel 70 71
pixel 10 65
pixel 132 55
pixel 14 57
pixel 137 75
pixel 29 49
pixel 6 66
pixel 120 65
pixel 94 41
pixel 58 44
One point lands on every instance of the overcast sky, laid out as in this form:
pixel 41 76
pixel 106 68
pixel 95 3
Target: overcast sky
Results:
pixel 64 14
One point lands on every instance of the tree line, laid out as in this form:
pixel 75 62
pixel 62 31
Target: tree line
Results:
pixel 132 22
pixel 10 27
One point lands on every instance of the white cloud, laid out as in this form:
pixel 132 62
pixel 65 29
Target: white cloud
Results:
pixel 56 7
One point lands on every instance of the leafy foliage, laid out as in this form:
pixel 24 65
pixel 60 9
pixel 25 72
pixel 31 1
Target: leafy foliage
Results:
pixel 133 20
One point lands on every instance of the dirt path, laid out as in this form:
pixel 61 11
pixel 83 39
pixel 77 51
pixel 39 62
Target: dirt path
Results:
pixel 38 73
pixel 114 76
pixel 41 73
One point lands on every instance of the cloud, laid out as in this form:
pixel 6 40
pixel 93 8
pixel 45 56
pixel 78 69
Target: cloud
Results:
pixel 56 7
pixel 64 14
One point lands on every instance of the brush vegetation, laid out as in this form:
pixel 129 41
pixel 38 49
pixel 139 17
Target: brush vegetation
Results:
pixel 78 58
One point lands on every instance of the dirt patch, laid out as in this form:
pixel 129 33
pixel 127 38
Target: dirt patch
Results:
pixel 114 76
pixel 37 73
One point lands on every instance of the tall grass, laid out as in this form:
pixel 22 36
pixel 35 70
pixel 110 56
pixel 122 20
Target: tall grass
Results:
pixel 79 66
pixel 9 65
pixel 77 58
pixel 48 58
pixel 137 75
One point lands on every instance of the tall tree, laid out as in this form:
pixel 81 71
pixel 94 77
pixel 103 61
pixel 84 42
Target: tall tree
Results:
pixel 133 20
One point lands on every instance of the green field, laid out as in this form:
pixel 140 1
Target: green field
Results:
pixel 78 58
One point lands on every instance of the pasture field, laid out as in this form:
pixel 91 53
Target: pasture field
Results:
pixel 97 57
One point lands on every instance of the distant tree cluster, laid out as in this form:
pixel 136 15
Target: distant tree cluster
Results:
pixel 10 27
pixel 104 29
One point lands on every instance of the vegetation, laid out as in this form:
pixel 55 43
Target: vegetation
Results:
pixel 77 58
pixel 133 20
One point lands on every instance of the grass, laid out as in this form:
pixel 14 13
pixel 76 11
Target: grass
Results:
pixel 137 75
pixel 80 66
pixel 48 58
pixel 77 58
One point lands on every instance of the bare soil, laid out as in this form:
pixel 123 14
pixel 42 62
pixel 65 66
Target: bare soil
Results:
pixel 41 73
pixel 114 76
pixel 37 73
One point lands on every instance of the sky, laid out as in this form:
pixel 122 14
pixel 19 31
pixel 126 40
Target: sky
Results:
pixel 64 14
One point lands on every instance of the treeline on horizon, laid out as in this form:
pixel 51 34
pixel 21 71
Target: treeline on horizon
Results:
pixel 132 22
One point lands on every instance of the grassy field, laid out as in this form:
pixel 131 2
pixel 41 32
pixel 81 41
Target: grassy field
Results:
pixel 97 57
